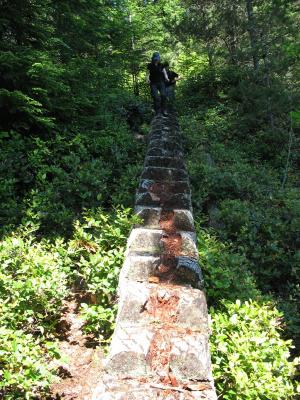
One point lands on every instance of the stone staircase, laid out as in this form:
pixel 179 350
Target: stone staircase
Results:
pixel 160 347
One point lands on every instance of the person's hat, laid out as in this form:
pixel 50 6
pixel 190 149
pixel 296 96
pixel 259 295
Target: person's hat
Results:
pixel 156 56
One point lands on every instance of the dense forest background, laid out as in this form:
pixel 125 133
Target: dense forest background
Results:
pixel 74 105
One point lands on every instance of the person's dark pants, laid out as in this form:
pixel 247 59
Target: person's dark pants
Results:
pixel 170 92
pixel 158 93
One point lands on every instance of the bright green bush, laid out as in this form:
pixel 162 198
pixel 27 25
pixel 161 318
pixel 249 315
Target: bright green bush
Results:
pixel 237 151
pixel 33 282
pixel 226 271
pixel 25 371
pixel 35 278
pixel 98 248
pixel 250 359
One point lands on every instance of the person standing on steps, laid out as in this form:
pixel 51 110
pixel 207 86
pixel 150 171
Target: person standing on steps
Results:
pixel 157 79
pixel 170 86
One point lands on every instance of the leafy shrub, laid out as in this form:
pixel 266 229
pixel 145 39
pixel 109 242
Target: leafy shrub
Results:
pixel 126 187
pixel 240 195
pixel 226 272
pixel 35 278
pixel 236 161
pixel 98 249
pixel 33 284
pixel 25 371
pixel 250 359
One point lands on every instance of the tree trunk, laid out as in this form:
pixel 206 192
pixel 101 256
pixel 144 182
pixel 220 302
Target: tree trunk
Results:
pixel 209 51
pixel 252 34
pixel 134 69
pixel 267 82
pixel 231 34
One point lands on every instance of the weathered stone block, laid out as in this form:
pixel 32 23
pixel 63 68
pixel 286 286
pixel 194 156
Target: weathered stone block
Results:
pixel 165 200
pixel 158 151
pixel 128 351
pixel 179 244
pixel 138 267
pixel 149 216
pixel 146 303
pixel 192 309
pixel 155 242
pixel 189 247
pixel 130 389
pixel 144 241
pixel 166 131
pixel 165 137
pixel 157 189
pixel 165 144
pixel 180 200
pixel 165 162
pixel 164 174
pixel 182 220
pixel 190 357
pixel 132 297
pixel 162 329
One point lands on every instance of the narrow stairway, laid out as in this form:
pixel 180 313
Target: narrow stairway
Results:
pixel 160 348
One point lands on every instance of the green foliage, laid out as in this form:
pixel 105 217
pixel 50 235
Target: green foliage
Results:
pixel 98 245
pixel 226 271
pixel 33 283
pixel 37 276
pixel 250 254
pixel 100 320
pixel 240 195
pixel 24 364
pixel 66 150
pixel 68 160
pixel 250 359
pixel 51 181
pixel 238 121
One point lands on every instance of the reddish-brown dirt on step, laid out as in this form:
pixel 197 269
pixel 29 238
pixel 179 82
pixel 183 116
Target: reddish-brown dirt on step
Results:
pixel 172 244
pixel 159 355
pixel 161 190
pixel 162 305
pixel 166 221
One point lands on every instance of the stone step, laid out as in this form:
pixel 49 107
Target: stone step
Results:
pixel 161 123
pixel 156 242
pixel 169 201
pixel 151 352
pixel 184 271
pixel 139 267
pixel 153 217
pixel 165 129
pixel 163 190
pixel 160 174
pixel 165 162
pixel 171 135
pixel 165 144
pixel 165 136
pixel 131 389
pixel 160 347
pixel 145 304
pixel 158 151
